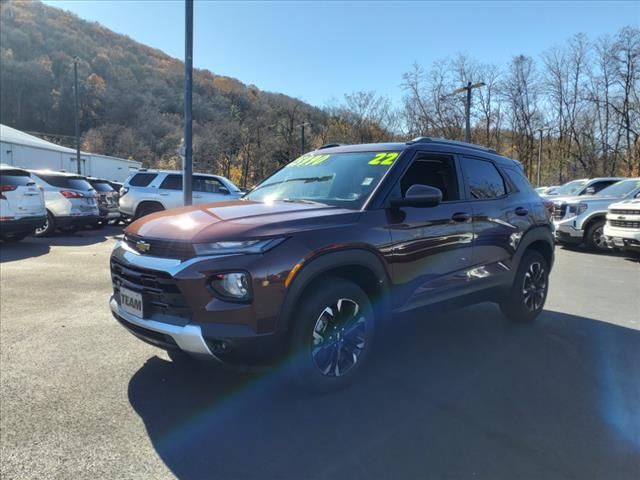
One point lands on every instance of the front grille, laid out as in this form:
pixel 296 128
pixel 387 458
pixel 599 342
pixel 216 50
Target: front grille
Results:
pixel 160 248
pixel 160 293
pixel 559 210
pixel 624 212
pixel 624 223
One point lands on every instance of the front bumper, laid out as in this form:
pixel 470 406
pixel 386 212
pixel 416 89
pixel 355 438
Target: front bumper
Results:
pixel 187 338
pixel 21 225
pixel 188 317
pixel 624 238
pixel 566 231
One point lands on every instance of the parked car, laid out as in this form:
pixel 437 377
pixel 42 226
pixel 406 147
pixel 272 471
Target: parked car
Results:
pixel 547 190
pixel 622 230
pixel 310 261
pixel 148 191
pixel 21 204
pixel 107 200
pixel 583 186
pixel 581 219
pixel 70 200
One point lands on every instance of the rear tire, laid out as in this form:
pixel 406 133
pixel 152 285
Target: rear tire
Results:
pixel 594 238
pixel 48 228
pixel 528 294
pixel 332 336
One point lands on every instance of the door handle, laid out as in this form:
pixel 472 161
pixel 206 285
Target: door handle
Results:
pixel 164 194
pixel 461 217
pixel 522 211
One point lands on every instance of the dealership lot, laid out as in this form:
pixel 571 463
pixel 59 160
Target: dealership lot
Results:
pixel 463 395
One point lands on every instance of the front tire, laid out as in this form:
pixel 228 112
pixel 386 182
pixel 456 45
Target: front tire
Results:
pixel 528 294
pixel 594 238
pixel 332 335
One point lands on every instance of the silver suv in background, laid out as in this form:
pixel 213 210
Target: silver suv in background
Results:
pixel 581 219
pixel 21 204
pixel 70 200
pixel 148 191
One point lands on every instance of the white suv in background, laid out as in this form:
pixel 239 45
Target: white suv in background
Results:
pixel 21 204
pixel 622 230
pixel 70 200
pixel 148 191
pixel 581 219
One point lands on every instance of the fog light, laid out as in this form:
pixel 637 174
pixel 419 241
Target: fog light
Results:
pixel 232 285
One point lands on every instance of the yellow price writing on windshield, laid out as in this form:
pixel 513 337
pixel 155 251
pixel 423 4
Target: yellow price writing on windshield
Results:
pixel 384 158
pixel 309 160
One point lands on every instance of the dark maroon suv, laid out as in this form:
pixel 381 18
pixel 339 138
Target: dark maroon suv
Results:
pixel 308 264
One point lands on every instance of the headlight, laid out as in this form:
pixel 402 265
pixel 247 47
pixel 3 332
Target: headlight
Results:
pixel 244 246
pixel 232 286
pixel 578 209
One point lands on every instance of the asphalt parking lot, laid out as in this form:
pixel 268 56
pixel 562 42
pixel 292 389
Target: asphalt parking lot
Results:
pixel 458 394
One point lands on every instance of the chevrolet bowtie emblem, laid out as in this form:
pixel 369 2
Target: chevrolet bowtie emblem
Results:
pixel 142 246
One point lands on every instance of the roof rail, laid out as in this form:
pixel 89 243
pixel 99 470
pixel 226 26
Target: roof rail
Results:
pixel 330 145
pixel 450 142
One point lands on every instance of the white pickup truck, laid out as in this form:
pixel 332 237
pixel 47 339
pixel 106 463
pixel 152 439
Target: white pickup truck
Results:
pixel 622 230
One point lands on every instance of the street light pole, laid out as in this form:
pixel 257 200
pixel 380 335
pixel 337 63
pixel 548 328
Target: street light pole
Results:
pixel 77 119
pixel 467 106
pixel 187 165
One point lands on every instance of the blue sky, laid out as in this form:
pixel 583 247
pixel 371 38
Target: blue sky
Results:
pixel 318 51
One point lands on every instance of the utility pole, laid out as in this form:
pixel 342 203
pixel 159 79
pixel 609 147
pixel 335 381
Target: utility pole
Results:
pixel 302 125
pixel 467 106
pixel 187 163
pixel 77 115
pixel 540 130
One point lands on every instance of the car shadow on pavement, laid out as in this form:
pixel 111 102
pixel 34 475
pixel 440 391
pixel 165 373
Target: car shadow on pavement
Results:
pixel 35 247
pixel 462 394
pixel 27 248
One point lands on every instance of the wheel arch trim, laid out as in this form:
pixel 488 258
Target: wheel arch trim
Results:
pixel 313 268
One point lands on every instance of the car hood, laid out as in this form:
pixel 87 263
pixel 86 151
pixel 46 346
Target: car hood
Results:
pixel 631 204
pixel 238 220
pixel 588 199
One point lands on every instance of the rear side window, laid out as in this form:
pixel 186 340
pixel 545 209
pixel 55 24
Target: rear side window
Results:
pixel 518 178
pixel 172 182
pixel 483 181
pixel 62 181
pixel 15 177
pixel 207 185
pixel 142 179
pixel 102 186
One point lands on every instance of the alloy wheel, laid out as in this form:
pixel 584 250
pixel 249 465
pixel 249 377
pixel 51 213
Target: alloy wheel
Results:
pixel 534 286
pixel 598 238
pixel 338 337
pixel 43 228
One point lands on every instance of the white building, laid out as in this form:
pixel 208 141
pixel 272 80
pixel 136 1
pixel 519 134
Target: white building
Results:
pixel 26 151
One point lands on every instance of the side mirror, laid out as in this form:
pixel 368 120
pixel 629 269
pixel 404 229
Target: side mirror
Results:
pixel 419 196
pixel 223 190
pixel 590 191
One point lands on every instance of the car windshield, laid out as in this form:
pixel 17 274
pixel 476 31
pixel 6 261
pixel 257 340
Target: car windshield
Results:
pixel 340 179
pixel 620 189
pixel 571 188
pixel 64 181
pixel 101 186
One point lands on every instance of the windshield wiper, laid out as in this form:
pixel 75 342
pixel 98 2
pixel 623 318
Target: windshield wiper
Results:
pixel 300 200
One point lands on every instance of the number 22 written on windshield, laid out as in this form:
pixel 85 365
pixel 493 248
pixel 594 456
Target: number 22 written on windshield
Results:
pixel 384 158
